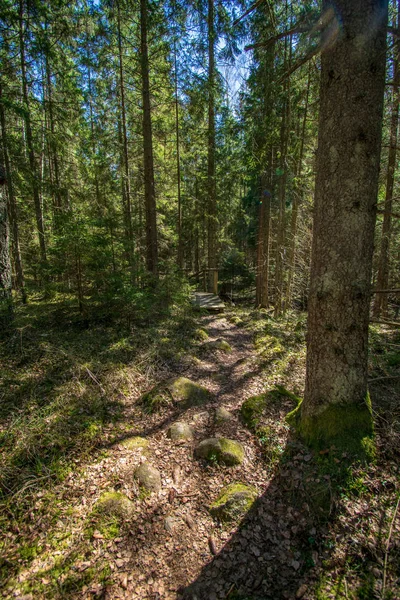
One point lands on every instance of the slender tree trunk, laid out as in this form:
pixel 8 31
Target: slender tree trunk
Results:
pixel 382 281
pixel 149 188
pixel 262 280
pixel 281 229
pixel 211 183
pixel 335 408
pixel 5 262
pixel 125 167
pixel 178 165
pixel 296 201
pixel 19 273
pixel 34 172
pixel 57 197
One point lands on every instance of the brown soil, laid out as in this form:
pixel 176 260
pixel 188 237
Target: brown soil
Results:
pixel 171 548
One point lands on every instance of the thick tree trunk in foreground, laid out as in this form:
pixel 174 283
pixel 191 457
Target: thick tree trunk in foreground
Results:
pixel 149 188
pixel 335 408
pixel 212 200
pixel 382 281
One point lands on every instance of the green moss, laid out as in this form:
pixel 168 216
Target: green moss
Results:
pixel 219 344
pixel 114 504
pixel 253 408
pixel 155 399
pixel 236 320
pixel 135 443
pixel 393 359
pixel 233 502
pixel 201 335
pixel 221 451
pixel 232 452
pixel 188 393
pixel 346 427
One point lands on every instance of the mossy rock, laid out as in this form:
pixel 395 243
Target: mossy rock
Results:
pixel 201 335
pixel 344 427
pixel 157 398
pixel 179 390
pixel 180 431
pixel 135 443
pixel 236 320
pixel 233 502
pixel 221 450
pixel 253 408
pixel 114 504
pixel 219 344
pixel 148 477
pixel 188 393
pixel 222 415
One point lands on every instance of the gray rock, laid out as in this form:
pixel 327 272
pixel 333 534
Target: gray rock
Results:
pixel 221 451
pixel 233 502
pixel 222 415
pixel 180 431
pixel 114 504
pixel 148 477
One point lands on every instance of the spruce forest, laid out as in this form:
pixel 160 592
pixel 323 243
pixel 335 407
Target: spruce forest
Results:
pixel 199 299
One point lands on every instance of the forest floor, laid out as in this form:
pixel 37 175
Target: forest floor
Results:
pixel 71 405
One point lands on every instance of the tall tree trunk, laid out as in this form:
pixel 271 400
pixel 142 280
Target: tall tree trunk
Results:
pixel 34 172
pixel 53 158
pixel 382 281
pixel 281 228
pixel 211 184
pixel 5 262
pixel 126 185
pixel 262 280
pixel 178 164
pixel 296 201
pixel 335 408
pixel 149 188
pixel 19 273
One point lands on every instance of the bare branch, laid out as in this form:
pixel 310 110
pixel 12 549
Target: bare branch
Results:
pixel 248 11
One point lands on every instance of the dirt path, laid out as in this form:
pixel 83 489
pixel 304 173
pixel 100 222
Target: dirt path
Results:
pixel 173 538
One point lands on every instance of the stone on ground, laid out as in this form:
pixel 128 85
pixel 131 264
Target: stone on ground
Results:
pixel 180 431
pixel 188 393
pixel 114 504
pixel 222 415
pixel 221 450
pixel 233 502
pixel 135 443
pixel 148 477
pixel 219 344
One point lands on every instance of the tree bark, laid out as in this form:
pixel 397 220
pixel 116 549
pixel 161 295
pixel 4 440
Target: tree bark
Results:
pixel 19 273
pixel 211 184
pixel 34 173
pixel 5 262
pixel 382 281
pixel 262 280
pixel 296 202
pixel 178 164
pixel 149 188
pixel 126 183
pixel 335 409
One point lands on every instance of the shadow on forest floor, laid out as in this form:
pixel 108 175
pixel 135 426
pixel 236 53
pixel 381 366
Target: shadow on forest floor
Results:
pixel 318 530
